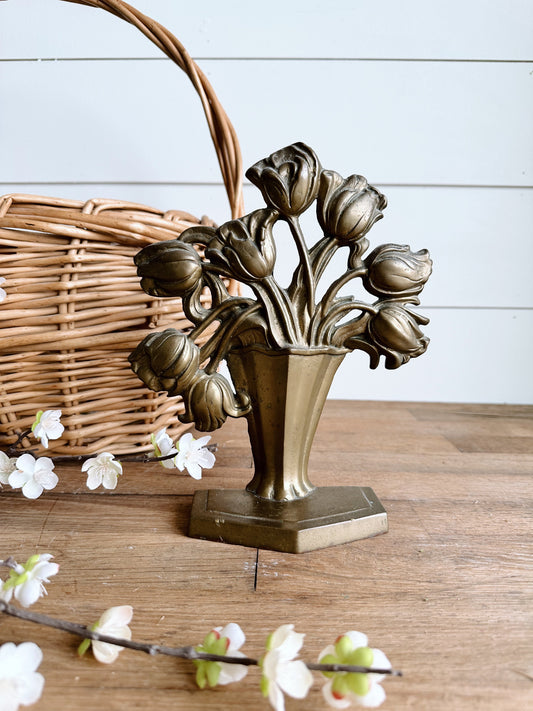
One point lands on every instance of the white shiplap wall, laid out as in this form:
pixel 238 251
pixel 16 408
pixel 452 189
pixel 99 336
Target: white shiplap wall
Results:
pixel 431 102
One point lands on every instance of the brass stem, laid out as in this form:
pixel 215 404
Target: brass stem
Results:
pixel 283 324
pixel 230 331
pixel 335 313
pixel 213 316
pixel 320 314
pixel 303 252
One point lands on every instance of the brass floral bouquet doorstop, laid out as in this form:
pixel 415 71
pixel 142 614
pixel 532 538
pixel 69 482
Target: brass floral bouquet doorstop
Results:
pixel 282 347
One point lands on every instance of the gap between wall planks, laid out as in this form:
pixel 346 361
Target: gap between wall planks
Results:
pixel 446 593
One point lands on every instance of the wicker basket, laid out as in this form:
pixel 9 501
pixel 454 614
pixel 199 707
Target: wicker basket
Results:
pixel 74 308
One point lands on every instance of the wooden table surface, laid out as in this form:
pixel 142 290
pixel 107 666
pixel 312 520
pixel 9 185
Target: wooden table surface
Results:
pixel 446 593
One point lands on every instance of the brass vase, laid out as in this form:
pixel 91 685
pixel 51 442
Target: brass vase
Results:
pixel 280 508
pixel 287 392
pixel 283 346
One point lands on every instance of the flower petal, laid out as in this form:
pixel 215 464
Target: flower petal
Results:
pixel 47 478
pixel 231 672
pixel 205 458
pixel 109 479
pixel 29 592
pixel 375 697
pixel 28 656
pixel 330 649
pixel 30 688
pixel 201 441
pixel 8 663
pixel 342 703
pixel 380 661
pixel 286 641
pixel 235 635
pixel 26 463
pixel 194 469
pixel 185 442
pixel 105 652
pixel 32 489
pixel 358 639
pixel 94 478
pixel 294 678
pixel 275 696
pixel 6 596
pixel 44 570
pixel 115 616
pixel 18 478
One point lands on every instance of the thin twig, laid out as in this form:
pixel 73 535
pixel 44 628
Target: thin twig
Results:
pixel 128 457
pixel 182 652
pixel 9 562
pixel 12 449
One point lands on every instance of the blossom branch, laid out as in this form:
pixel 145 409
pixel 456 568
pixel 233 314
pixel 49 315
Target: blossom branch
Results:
pixel 188 652
pixel 142 458
pixel 12 449
pixel 9 562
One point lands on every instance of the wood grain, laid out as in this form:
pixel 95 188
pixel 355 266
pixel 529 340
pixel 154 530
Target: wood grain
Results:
pixel 446 593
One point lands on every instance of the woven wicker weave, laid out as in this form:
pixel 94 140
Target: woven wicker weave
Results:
pixel 74 308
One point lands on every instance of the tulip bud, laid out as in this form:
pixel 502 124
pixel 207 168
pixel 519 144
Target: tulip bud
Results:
pixel 395 331
pixel 171 268
pixel 393 270
pixel 166 361
pixel 205 402
pixel 288 178
pixel 245 247
pixel 347 208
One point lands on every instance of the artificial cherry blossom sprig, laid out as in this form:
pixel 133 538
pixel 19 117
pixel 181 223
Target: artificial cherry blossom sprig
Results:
pixel 281 673
pixel 353 669
pixel 33 476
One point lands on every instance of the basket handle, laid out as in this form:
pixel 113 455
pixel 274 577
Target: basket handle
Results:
pixel 222 132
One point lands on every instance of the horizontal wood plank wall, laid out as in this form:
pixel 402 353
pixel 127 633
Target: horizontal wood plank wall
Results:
pixel 433 105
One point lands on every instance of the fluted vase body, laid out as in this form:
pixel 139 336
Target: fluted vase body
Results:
pixel 288 389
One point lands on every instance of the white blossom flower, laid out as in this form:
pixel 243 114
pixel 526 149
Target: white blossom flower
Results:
pixel 47 426
pixel 20 683
pixel 163 446
pixel 114 623
pixel 26 581
pixel 2 291
pixel 33 475
pixel 281 674
pixel 224 641
pixel 193 456
pixel 7 466
pixel 103 469
pixel 346 688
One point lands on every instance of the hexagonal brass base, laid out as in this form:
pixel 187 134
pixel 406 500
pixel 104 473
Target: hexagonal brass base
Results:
pixel 330 515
